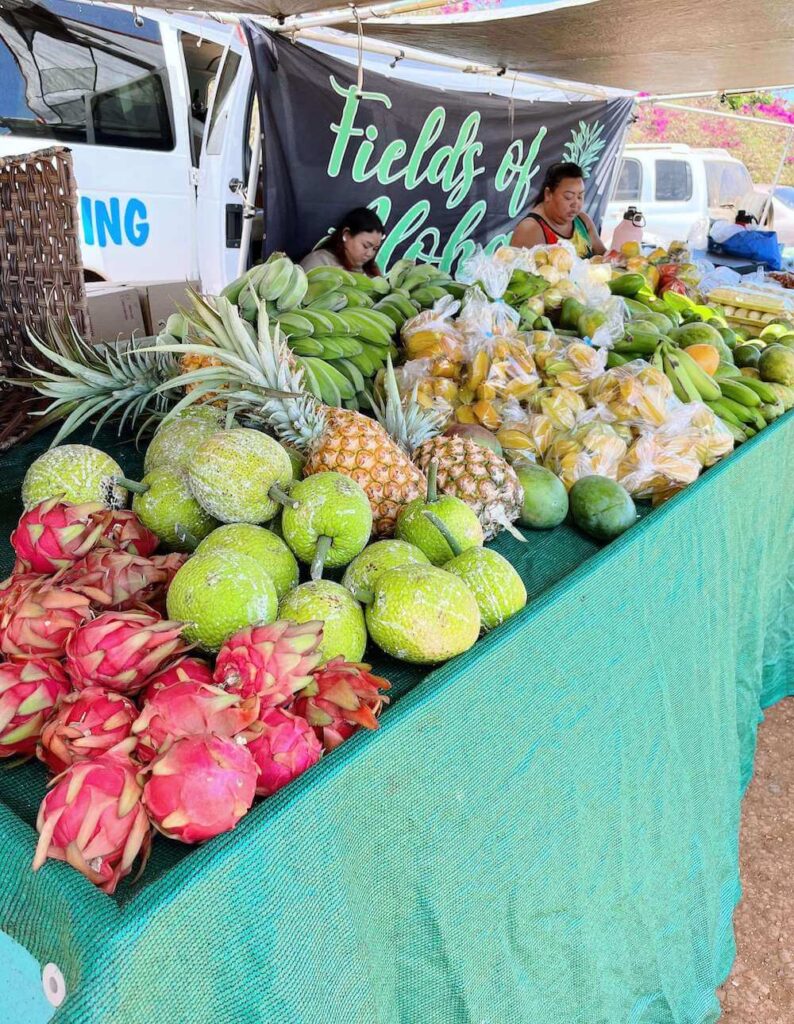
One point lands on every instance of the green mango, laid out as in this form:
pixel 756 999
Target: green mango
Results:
pixel 589 322
pixel 570 312
pixel 729 336
pixel 627 285
pixel 636 308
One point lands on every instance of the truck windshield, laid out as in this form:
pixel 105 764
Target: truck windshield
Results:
pixel 83 74
pixel 728 182
pixel 785 193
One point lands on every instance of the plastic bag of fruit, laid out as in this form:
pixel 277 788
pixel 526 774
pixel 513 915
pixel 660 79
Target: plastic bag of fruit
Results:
pixel 524 433
pixel 561 405
pixel 491 272
pixel 692 429
pixel 482 319
pixel 432 333
pixel 432 390
pixel 653 467
pixel 636 394
pixel 499 369
pixel 590 449
pixel 575 367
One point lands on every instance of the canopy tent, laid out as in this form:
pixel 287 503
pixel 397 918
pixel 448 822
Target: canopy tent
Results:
pixel 677 47
pixel 627 44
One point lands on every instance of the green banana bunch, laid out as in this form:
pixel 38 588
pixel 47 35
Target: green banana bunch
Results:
pixel 690 381
pixel 423 283
pixel 524 285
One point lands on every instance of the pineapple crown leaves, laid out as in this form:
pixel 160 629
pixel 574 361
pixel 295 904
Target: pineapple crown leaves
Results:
pixel 97 380
pixel 405 419
pixel 257 371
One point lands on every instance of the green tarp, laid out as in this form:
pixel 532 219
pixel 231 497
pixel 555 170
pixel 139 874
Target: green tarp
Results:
pixel 543 831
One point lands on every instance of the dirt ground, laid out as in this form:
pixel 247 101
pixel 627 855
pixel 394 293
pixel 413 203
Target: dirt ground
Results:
pixel 760 989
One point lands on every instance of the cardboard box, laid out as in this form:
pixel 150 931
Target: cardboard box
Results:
pixel 159 299
pixel 114 310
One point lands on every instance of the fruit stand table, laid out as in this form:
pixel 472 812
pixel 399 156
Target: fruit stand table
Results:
pixel 542 830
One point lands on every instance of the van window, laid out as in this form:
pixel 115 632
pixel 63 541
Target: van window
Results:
pixel 673 181
pixel 727 182
pixel 629 182
pixel 83 74
pixel 222 102
pixel 202 60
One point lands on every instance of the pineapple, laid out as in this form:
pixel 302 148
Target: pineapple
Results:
pixel 266 388
pixel 479 477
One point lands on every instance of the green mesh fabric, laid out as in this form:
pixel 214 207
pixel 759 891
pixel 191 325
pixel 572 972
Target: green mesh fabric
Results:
pixel 543 830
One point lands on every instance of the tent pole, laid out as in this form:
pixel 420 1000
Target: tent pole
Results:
pixel 350 42
pixel 778 174
pixel 249 199
pixel 344 15
pixel 705 95
pixel 723 114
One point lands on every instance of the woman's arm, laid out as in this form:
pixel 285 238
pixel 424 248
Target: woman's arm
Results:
pixel 596 244
pixel 527 233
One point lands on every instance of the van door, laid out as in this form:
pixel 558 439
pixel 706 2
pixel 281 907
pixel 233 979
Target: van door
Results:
pixel 103 83
pixel 223 168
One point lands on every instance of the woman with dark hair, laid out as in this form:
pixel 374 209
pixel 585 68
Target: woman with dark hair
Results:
pixel 558 213
pixel 353 244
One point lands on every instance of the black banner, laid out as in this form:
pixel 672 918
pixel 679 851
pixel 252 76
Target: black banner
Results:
pixel 444 170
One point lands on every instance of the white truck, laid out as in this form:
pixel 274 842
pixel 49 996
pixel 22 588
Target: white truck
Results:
pixel 676 188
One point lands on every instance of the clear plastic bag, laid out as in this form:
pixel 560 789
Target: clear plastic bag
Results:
pixel 575 367
pixel 431 391
pixel 590 449
pixel 636 394
pixel 481 319
pixel 491 272
pixel 561 405
pixel 691 428
pixel 499 370
pixel 654 468
pixel 525 434
pixel 432 333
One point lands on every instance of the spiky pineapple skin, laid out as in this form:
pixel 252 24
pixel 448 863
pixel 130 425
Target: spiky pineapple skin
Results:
pixel 480 477
pixel 360 448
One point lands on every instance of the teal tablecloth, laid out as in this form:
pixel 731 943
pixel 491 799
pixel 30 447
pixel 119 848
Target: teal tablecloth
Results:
pixel 543 831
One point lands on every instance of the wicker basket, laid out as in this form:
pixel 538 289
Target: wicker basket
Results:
pixel 41 268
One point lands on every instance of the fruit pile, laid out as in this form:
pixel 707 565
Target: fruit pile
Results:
pixel 139 734
pixel 341 326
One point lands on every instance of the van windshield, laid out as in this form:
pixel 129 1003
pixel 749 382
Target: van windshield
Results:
pixel 83 74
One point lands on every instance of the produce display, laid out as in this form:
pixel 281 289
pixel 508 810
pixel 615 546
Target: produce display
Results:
pixel 176 659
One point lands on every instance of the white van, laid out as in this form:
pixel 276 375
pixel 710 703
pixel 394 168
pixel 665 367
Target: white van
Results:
pixel 675 187
pixel 129 95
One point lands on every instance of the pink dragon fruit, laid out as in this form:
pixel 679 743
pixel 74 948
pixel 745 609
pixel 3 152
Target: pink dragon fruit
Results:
pixel 191 708
pixel 125 532
pixel 11 590
pixel 117 579
pixel 39 618
pixel 54 534
pixel 271 661
pixel 185 670
pixel 29 691
pixel 201 786
pixel 121 650
pixel 284 750
pixel 86 725
pixel 341 697
pixel 170 565
pixel 93 818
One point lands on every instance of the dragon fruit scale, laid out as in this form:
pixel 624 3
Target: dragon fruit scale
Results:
pixel 125 532
pixel 93 818
pixel 286 747
pixel 200 787
pixel 341 697
pixel 185 670
pixel 273 661
pixel 116 579
pixel 189 708
pixel 29 691
pixel 54 534
pixel 122 650
pixel 37 619
pixel 86 724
